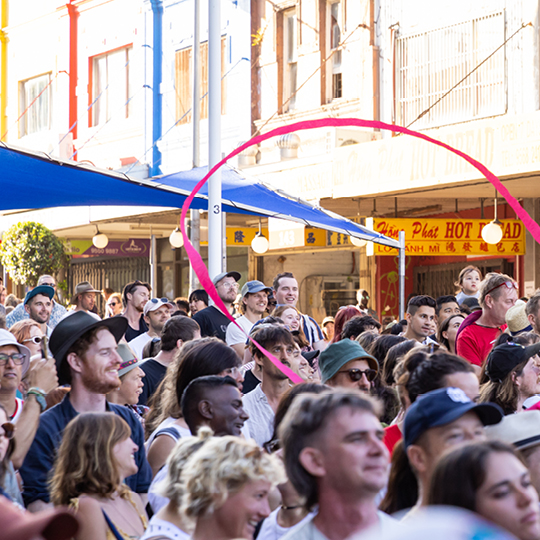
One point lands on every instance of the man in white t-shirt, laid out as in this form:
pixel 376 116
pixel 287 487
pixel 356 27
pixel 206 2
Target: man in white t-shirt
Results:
pixel 157 312
pixel 335 458
pixel 252 305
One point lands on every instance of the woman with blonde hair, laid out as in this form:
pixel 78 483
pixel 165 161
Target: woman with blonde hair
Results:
pixel 226 487
pixel 94 458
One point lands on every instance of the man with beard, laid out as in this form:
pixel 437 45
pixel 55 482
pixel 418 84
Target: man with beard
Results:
pixel 38 304
pixel 135 295
pixel 86 358
pixel 84 299
pixel 212 321
pixel 261 404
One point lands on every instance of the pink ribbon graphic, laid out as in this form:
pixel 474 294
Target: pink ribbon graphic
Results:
pixel 202 272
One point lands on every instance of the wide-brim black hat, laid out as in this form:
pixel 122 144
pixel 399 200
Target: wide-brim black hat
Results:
pixel 71 328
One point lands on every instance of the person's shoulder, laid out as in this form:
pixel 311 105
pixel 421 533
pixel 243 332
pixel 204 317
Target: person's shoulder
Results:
pixel 305 530
pixel 126 414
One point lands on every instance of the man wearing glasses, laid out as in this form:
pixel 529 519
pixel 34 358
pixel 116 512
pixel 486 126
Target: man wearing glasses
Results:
pixel 212 321
pixel 20 313
pixel 346 364
pixel 498 293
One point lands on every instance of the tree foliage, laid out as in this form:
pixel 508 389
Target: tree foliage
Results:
pixel 30 250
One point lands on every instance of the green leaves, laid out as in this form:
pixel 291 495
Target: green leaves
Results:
pixel 30 250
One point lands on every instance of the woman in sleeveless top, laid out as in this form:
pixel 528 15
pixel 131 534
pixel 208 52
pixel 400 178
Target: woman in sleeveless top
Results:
pixel 94 458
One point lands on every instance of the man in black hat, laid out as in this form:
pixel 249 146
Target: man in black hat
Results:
pixel 86 358
pixel 212 321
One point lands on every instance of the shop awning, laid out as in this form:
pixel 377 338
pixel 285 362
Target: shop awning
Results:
pixel 31 180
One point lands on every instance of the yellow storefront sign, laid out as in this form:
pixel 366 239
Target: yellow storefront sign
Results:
pixel 242 236
pixel 457 237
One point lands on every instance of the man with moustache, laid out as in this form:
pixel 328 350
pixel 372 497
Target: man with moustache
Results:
pixel 86 358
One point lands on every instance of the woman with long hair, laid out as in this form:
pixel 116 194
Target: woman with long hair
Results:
pixel 207 356
pixel 293 321
pixel 94 458
pixel 490 479
pixel 447 331
pixel 227 483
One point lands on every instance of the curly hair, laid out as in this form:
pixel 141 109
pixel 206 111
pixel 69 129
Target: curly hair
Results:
pixel 222 467
pixel 85 463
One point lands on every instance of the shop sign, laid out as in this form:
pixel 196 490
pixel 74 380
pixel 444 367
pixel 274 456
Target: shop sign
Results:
pixel 133 247
pixel 285 234
pixel 450 237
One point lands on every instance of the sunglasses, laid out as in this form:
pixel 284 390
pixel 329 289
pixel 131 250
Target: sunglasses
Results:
pixel 157 300
pixel 9 430
pixel 18 359
pixel 36 340
pixel 508 284
pixel 356 374
pixel 49 284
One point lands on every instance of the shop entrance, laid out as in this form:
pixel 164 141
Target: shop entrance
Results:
pixel 439 280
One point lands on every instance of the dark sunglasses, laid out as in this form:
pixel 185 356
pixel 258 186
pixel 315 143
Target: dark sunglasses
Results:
pixel 508 284
pixel 356 374
pixel 50 284
pixel 36 339
pixel 272 446
pixel 9 430
pixel 157 300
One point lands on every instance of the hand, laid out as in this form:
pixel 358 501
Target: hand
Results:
pixel 42 374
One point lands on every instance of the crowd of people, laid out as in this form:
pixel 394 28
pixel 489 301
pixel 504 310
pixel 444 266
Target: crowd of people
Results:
pixel 162 419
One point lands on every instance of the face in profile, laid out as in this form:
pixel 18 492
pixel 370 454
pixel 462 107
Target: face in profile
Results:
pixel 508 498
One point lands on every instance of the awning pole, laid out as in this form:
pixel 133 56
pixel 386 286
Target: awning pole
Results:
pixel 215 233
pixel 401 238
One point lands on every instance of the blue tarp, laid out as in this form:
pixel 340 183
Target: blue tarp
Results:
pixel 32 180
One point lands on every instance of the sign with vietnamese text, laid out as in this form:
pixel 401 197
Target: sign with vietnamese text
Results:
pixel 457 237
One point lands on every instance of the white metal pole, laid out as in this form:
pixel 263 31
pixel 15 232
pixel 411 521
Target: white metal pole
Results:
pixel 401 238
pixel 215 233
pixel 194 215
pixel 153 265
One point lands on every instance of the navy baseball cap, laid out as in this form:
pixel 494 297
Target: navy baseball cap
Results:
pixel 254 287
pixel 46 290
pixel 442 407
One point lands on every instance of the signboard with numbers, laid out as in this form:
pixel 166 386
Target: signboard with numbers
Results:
pixel 457 237
pixel 285 234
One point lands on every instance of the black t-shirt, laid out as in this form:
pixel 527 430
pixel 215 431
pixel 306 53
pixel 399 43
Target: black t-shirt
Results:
pixel 250 382
pixel 154 373
pixel 131 333
pixel 213 323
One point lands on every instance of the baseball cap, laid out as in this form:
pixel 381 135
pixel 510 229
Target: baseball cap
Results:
pixel 254 287
pixel 504 358
pixel 441 407
pixel 46 290
pixel 156 303
pixel 472 303
pixel 522 430
pixel 219 277
pixel 336 355
pixel 7 338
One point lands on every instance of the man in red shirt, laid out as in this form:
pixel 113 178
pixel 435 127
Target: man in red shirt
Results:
pixel 498 293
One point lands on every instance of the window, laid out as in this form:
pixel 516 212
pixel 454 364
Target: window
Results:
pixel 335 40
pixel 184 82
pixel 289 60
pixel 431 63
pixel 110 84
pixel 35 99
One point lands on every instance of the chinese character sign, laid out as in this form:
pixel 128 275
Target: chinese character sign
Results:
pixel 432 237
